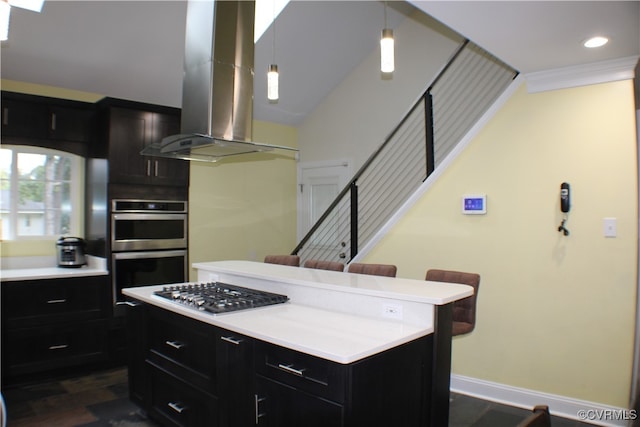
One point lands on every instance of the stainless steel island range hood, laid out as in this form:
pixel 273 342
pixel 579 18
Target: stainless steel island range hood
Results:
pixel 217 91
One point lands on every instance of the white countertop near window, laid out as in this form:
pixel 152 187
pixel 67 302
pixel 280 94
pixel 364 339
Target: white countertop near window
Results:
pixel 34 268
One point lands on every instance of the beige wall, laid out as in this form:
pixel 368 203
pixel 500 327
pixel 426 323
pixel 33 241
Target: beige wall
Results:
pixel 245 208
pixel 555 314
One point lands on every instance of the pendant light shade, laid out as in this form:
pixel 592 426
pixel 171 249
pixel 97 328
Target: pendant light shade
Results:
pixel 272 83
pixel 387 61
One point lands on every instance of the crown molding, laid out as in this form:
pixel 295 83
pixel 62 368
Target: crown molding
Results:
pixel 582 75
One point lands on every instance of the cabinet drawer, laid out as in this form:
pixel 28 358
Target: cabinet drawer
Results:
pixel 317 376
pixel 36 302
pixel 175 403
pixel 31 350
pixel 183 347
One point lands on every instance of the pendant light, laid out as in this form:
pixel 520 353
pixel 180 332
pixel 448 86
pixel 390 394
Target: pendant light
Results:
pixel 386 47
pixel 272 74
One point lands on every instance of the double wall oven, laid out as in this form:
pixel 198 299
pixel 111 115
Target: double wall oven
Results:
pixel 148 244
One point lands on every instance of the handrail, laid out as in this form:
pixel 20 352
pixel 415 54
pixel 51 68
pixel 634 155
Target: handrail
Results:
pixel 463 92
pixel 376 153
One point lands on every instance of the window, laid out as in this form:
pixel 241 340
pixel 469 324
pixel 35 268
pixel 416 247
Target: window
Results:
pixel 41 192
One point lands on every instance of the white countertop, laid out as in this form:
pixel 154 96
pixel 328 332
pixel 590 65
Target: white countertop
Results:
pixel 332 315
pixel 331 335
pixel 421 291
pixel 95 267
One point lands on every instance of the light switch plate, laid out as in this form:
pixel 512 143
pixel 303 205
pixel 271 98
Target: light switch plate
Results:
pixel 610 227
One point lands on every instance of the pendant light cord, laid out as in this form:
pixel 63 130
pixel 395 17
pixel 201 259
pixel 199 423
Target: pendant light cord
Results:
pixel 273 51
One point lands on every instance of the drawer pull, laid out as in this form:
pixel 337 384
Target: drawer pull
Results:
pixel 291 369
pixel 257 401
pixel 175 344
pixel 56 301
pixel 58 347
pixel 231 340
pixel 178 407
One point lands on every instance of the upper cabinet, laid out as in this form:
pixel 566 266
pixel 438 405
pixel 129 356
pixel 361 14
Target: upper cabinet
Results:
pixel 50 122
pixel 128 128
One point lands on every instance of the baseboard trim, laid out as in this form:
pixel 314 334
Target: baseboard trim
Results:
pixel 560 406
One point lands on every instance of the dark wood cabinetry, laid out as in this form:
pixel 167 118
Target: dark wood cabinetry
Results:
pixel 189 373
pixel 49 122
pixel 130 127
pixel 53 323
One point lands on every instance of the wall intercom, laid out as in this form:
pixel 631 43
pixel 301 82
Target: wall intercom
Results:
pixel 565 206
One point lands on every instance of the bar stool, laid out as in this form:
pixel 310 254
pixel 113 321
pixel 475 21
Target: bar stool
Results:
pixel 373 269
pixel 324 265
pixel 539 418
pixel 293 260
pixel 464 310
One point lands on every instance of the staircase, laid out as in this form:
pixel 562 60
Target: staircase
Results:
pixel 462 92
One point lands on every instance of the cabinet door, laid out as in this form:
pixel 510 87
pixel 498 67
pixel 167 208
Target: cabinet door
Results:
pixel 21 118
pixel 234 355
pixel 280 405
pixel 184 347
pixel 37 302
pixel 175 403
pixel 164 171
pixel 128 131
pixel 137 351
pixel 31 350
pixel 70 124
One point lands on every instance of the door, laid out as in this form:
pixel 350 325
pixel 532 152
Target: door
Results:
pixel 318 185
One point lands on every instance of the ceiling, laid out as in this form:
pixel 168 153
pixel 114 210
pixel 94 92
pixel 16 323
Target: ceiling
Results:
pixel 133 49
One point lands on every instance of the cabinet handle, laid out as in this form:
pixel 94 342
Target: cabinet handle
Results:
pixel 53 121
pixel 58 347
pixel 257 401
pixel 56 301
pixel 155 168
pixel 148 167
pixel 175 344
pixel 291 369
pixel 177 406
pixel 5 119
pixel 129 303
pixel 231 340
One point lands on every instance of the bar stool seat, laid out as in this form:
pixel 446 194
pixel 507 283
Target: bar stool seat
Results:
pixel 324 265
pixel 293 260
pixel 373 269
pixel 464 310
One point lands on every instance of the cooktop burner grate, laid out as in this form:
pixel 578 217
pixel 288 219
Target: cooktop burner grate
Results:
pixel 217 297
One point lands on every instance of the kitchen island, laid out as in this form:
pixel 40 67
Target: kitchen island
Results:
pixel 346 349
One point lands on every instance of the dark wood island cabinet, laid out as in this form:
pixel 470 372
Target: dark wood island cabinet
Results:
pixel 326 357
pixel 188 373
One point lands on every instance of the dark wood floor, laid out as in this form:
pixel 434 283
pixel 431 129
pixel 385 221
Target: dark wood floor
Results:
pixel 101 400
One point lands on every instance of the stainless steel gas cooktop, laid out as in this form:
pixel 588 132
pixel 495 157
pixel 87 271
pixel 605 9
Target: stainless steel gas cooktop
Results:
pixel 217 297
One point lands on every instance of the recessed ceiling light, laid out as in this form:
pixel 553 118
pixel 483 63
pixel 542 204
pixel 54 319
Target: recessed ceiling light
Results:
pixel 596 42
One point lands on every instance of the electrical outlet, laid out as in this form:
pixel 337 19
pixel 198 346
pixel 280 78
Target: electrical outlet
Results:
pixel 392 311
pixel 610 227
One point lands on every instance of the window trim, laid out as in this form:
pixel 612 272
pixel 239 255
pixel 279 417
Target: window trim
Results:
pixel 76 225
